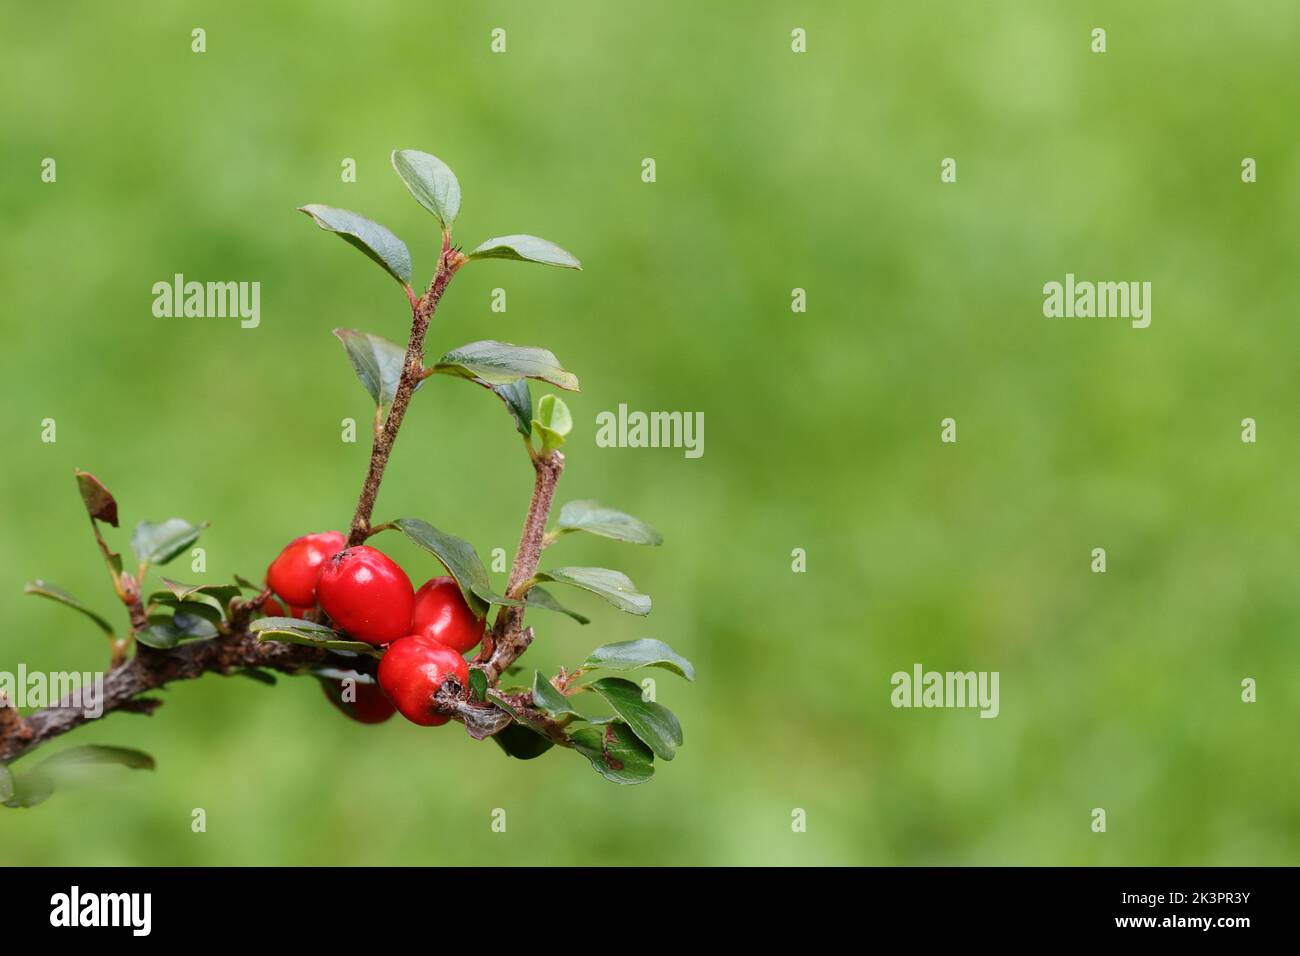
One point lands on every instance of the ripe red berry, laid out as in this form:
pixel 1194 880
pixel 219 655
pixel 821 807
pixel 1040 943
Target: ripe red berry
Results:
pixel 293 574
pixel 441 615
pixel 412 670
pixel 367 594
pixel 369 707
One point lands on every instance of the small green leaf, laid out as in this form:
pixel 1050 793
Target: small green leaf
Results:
pixel 500 363
pixel 73 765
pixel 165 631
pixel 518 402
pixel 594 518
pixel 431 182
pixel 160 543
pixel 614 752
pixel 646 652
pixel 538 596
pixel 309 633
pixel 521 743
pixel 376 241
pixel 652 722
pixel 553 422
pixel 550 700
pixel 100 504
pixel 458 557
pixel 222 594
pixel 614 586
pixel 478 684
pixel 526 249
pixel 378 364
pixel 47 590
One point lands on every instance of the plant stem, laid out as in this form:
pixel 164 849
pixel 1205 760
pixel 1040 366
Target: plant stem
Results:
pixel 509 637
pixel 412 371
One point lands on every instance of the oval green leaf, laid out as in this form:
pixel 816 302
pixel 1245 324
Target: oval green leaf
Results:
pixel 614 586
pixel 295 631
pixel 614 752
pixel 47 590
pixel 646 652
pixel 594 518
pixel 500 363
pixel 376 241
pixel 526 249
pixel 553 422
pixel 653 723
pixel 160 543
pixel 377 362
pixel 459 558
pixel 538 596
pixel 550 700
pixel 431 182
pixel 521 743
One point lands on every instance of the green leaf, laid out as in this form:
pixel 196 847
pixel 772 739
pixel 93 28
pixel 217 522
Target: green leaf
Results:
pixel 296 631
pixel 614 586
pixel 521 743
pixel 222 594
pixel 525 249
pixel 431 182
pixel 646 652
pixel 500 363
pixel 553 422
pixel 100 504
pixel 377 242
pixel 262 677
pixel 378 364
pixel 518 402
pixel 652 722
pixel 47 590
pixel 71 766
pixel 458 557
pixel 478 684
pixel 165 631
pixel 550 700
pixel 594 518
pixel 538 596
pixel 614 752
pixel 160 543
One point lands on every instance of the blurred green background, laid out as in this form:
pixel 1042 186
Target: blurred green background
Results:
pixel 775 171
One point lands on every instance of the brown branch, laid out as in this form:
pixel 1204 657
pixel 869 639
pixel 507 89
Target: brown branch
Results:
pixel 509 637
pixel 422 311
pixel 151 668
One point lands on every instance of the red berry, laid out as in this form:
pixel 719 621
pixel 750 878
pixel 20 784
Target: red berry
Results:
pixel 366 594
pixel 412 670
pixel 441 615
pixel 369 707
pixel 293 574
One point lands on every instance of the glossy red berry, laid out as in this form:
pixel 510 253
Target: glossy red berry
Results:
pixel 370 706
pixel 293 574
pixel 366 594
pixel 412 670
pixel 441 615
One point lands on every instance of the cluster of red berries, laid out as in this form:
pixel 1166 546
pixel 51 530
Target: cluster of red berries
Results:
pixel 369 597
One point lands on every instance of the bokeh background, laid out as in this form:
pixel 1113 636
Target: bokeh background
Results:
pixel 775 171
